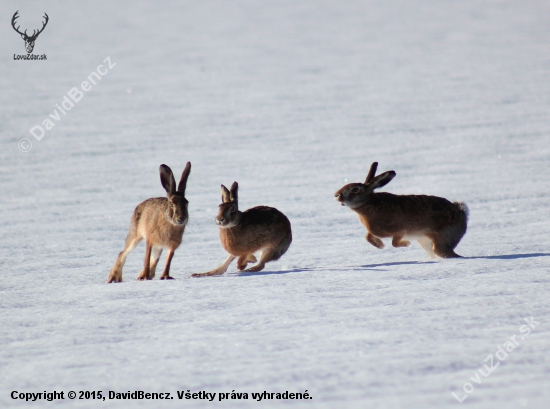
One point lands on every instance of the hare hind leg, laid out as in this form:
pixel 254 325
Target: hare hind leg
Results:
pixel 444 246
pixel 272 254
pixel 446 241
pixel 448 253
pixel 267 255
pixel 244 260
pixel 115 276
pixel 427 245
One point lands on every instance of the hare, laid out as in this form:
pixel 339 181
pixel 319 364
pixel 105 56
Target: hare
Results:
pixel 437 224
pixel 242 234
pixel 161 222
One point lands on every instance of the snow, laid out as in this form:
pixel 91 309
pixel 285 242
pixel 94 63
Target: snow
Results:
pixel 292 100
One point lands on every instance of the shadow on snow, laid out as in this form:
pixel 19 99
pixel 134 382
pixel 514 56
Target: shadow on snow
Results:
pixel 511 256
pixel 395 263
pixel 265 272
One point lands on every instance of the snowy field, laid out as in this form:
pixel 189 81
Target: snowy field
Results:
pixel 292 99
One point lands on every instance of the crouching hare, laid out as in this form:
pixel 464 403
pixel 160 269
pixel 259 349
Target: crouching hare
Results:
pixel 161 222
pixel 437 224
pixel 242 234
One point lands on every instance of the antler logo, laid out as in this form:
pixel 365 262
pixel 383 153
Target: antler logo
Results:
pixel 29 40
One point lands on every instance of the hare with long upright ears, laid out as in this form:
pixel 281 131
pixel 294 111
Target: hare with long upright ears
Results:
pixel 242 234
pixel 161 222
pixel 437 224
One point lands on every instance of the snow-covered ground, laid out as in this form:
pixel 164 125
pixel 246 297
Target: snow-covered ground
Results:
pixel 293 100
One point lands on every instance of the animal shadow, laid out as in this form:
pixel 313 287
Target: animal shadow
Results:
pixel 511 256
pixel 266 272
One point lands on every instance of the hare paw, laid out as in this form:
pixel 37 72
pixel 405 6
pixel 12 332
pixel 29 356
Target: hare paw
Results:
pixel 255 269
pixel 398 242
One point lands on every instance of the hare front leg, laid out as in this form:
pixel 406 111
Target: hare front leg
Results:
pixel 375 241
pixel 115 276
pixel 166 273
pixel 155 257
pixel 218 271
pixel 144 275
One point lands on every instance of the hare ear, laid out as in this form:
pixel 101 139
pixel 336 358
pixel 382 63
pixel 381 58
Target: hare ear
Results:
pixel 184 176
pixel 167 179
pixel 372 172
pixel 225 195
pixel 381 180
pixel 234 192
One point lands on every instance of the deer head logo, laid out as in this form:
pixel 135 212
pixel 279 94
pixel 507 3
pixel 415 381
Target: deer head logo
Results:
pixel 29 40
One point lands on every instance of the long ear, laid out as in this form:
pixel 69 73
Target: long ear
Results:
pixel 372 172
pixel 234 194
pixel 381 180
pixel 167 179
pixel 184 176
pixel 225 195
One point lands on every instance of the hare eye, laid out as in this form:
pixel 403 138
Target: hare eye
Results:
pixel 355 190
pixel 232 209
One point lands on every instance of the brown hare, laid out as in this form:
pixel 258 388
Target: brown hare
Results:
pixel 437 224
pixel 242 234
pixel 161 222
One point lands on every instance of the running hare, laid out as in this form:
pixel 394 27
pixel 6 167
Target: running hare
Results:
pixel 242 234
pixel 437 224
pixel 161 222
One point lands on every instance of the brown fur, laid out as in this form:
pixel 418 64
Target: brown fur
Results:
pixel 161 222
pixel 436 223
pixel 242 234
